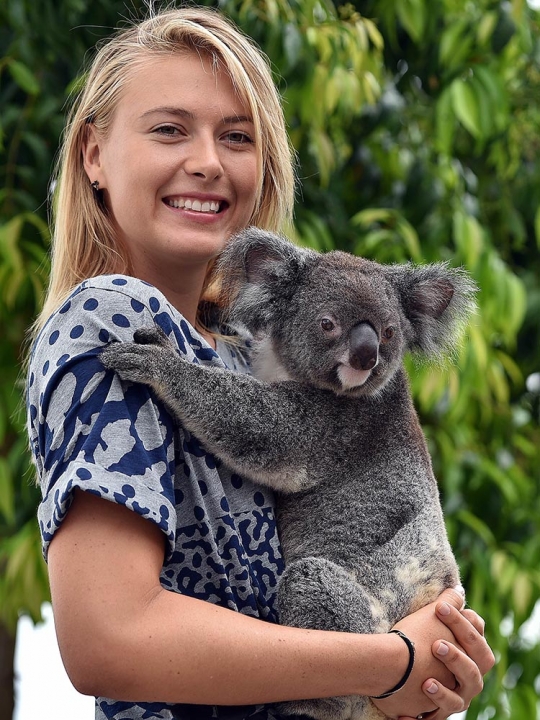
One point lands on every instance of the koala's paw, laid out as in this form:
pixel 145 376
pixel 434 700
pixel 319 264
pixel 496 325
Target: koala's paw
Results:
pixel 135 362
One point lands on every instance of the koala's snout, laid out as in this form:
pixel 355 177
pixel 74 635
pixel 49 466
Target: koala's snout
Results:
pixel 364 347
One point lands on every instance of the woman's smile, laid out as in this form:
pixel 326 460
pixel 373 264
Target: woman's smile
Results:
pixel 196 205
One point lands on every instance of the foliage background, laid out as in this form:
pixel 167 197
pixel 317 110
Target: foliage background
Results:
pixel 417 129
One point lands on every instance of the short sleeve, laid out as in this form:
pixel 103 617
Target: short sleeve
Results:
pixel 88 430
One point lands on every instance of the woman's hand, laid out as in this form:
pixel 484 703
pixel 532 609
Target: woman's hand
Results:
pixel 452 656
pixel 469 658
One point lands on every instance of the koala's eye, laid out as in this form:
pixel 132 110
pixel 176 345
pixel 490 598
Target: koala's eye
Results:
pixel 327 325
pixel 388 333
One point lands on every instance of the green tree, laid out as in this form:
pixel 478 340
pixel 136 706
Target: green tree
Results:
pixel 417 135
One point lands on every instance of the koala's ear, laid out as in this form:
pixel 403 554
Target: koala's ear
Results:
pixel 259 272
pixel 269 258
pixel 438 301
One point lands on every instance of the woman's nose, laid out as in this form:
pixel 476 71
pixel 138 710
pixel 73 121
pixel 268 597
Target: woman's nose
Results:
pixel 204 160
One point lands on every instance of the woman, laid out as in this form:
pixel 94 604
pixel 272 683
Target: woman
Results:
pixel 176 142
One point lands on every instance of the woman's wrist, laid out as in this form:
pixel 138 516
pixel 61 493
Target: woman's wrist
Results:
pixel 408 670
pixel 390 662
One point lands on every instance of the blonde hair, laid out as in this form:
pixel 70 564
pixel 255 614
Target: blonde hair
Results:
pixel 84 241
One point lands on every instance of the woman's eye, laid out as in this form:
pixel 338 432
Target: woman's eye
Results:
pixel 327 325
pixel 167 130
pixel 238 138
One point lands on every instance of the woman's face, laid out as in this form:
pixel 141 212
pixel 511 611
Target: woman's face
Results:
pixel 179 168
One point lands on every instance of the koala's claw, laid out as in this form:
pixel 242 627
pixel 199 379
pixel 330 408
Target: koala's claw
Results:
pixel 151 336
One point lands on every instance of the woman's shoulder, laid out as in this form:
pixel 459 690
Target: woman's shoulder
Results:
pixel 122 285
pixel 108 307
pixel 116 291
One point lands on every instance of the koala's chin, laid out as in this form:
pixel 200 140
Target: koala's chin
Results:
pixel 349 382
pixel 350 378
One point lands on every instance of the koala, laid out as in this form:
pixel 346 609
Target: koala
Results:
pixel 328 422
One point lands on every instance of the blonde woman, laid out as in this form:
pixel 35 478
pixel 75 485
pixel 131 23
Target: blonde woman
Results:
pixel 163 564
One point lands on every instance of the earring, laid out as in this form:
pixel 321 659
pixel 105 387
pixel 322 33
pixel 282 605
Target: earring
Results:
pixel 95 186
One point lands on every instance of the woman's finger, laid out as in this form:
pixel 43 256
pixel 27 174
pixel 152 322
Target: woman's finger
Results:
pixel 463 668
pixel 468 636
pixel 449 701
pixel 475 620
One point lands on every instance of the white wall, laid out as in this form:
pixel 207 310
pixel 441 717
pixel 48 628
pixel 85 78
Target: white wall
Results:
pixel 42 688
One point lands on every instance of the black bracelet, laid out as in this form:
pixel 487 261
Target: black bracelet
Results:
pixel 401 683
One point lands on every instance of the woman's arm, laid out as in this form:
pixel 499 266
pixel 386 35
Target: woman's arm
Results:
pixel 123 636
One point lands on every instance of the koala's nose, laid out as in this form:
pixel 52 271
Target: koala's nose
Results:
pixel 363 347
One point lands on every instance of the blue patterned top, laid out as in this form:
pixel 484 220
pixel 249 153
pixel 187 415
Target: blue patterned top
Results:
pixel 89 430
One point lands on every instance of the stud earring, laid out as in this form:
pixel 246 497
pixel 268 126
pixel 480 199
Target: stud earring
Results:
pixel 95 186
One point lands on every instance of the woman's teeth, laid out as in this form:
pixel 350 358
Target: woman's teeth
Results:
pixel 197 205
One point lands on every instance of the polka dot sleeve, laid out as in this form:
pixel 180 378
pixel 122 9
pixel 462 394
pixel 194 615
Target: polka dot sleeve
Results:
pixel 89 430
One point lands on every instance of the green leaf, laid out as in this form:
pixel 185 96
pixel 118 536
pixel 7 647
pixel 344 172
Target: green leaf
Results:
pixel 465 105
pixel 517 301
pixel 7 496
pixel 324 154
pixel 9 239
pixel 469 238
pixel 497 96
pixel 478 526
pixel 410 239
pixel 412 14
pixel 372 89
pixel 371 215
pixel 478 347
pixel 486 111
pixel 511 368
pixel 24 77
pixel 503 570
pixel 537 226
pixel 486 26
pixel 374 34
pixel 445 122
pixel 522 592
pixel 454 44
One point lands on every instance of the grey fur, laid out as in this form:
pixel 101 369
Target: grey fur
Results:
pixel 331 427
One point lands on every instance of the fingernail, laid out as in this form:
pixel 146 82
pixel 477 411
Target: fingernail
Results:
pixel 442 649
pixel 432 688
pixel 444 609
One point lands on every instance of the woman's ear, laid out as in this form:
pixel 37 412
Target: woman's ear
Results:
pixel 91 153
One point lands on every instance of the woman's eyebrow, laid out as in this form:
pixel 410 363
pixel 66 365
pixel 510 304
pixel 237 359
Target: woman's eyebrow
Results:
pixel 187 114
pixel 237 119
pixel 169 110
